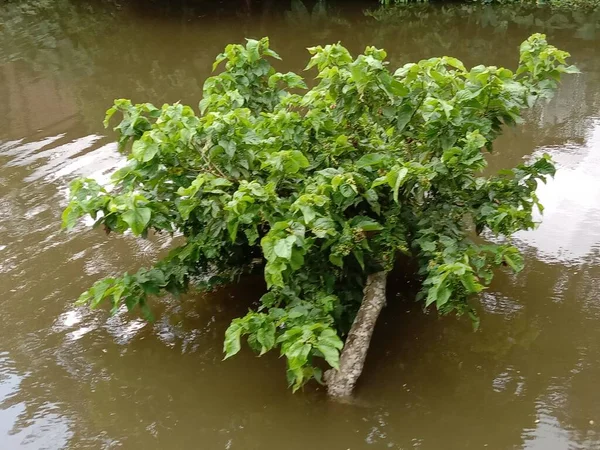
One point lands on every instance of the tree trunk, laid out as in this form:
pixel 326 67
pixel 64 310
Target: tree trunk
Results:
pixel 340 383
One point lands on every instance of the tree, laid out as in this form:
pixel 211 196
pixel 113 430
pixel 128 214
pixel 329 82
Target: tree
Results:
pixel 325 187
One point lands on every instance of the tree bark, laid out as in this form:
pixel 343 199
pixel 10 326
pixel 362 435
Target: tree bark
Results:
pixel 340 383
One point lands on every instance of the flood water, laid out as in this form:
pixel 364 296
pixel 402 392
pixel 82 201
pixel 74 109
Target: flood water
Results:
pixel 75 379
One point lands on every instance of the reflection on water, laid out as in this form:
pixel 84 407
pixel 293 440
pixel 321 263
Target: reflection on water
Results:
pixel 45 429
pixel 71 378
pixel 569 231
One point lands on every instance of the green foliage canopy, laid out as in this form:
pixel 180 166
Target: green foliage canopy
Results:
pixel 324 185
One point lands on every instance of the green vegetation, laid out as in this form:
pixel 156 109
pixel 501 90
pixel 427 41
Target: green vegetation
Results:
pixel 574 4
pixel 557 4
pixel 322 187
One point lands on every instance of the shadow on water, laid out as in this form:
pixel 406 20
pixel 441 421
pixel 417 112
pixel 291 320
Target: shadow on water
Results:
pixel 70 378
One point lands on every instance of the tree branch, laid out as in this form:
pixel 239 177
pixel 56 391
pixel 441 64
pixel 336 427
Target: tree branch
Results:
pixel 340 383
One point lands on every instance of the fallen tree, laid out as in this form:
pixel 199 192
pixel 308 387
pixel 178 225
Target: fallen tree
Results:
pixel 325 186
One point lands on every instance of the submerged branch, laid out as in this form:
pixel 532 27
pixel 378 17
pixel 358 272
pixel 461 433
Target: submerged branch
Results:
pixel 340 383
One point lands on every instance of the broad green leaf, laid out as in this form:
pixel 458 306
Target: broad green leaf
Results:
pixel 571 69
pixel 232 343
pixel 294 161
pixel 366 224
pixel 514 260
pixel 268 246
pixel 283 247
pixel 336 259
pixel 186 206
pixel 252 47
pixel 100 290
pixel 297 354
pixel 347 190
pixel 457 64
pixel 266 337
pixel 70 216
pixel 232 228
pixel 358 254
pixel 218 60
pixel 331 355
pixel 297 259
pixel 442 296
pixel 274 273
pixel 109 113
pixel 84 298
pixel 137 218
pixel 371 159
pixel 404 116
pixel 330 338
pixel 144 151
pixel 470 283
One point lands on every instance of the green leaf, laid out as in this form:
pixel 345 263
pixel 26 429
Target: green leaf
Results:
pixel 100 290
pixel 297 259
pixel 308 213
pixel 232 228
pixel 268 246
pixel 572 69
pixel 283 247
pixel 144 151
pixel 366 224
pixel 336 260
pixel 297 354
pixel 109 113
pixel 398 180
pixel 514 260
pixel 403 117
pixel 294 161
pixel 186 206
pixel 358 254
pixel 84 298
pixel 342 140
pixel 331 355
pixel 274 273
pixel 137 218
pixel 266 337
pixel 469 281
pixel 457 64
pixel 219 59
pixel 373 198
pixel 70 216
pixel 330 337
pixel 347 190
pixel 232 343
pixel 252 47
pixel 427 246
pixel 442 296
pixel 370 159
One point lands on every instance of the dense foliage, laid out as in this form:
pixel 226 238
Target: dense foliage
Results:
pixel 583 5
pixel 324 186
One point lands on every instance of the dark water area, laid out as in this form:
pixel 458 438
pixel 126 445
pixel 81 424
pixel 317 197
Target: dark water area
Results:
pixel 71 378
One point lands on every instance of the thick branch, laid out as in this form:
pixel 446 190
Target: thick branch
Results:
pixel 341 383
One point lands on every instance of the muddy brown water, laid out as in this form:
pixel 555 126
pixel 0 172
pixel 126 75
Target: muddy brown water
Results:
pixel 74 379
